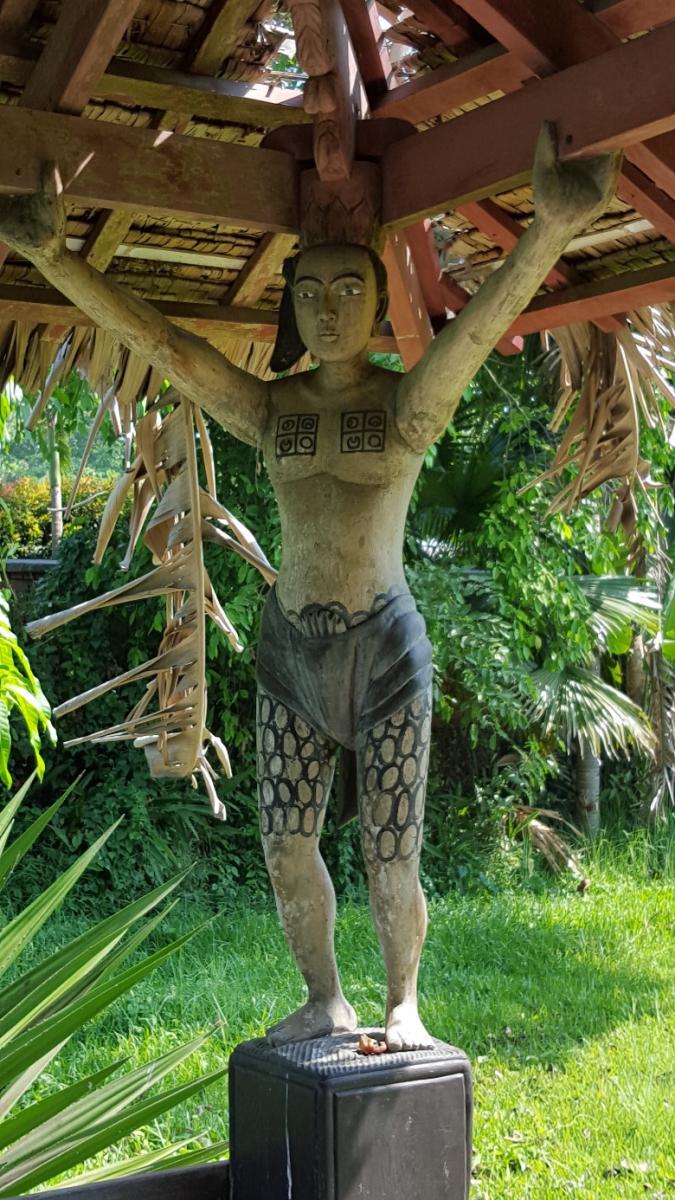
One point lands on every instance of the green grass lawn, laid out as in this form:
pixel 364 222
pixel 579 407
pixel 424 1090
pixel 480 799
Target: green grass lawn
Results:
pixel 565 1004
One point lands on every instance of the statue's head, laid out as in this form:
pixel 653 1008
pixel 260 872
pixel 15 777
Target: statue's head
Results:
pixel 335 294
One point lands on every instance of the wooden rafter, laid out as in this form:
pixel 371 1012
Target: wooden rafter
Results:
pixel 491 148
pixel 407 308
pixel 554 34
pixel 444 25
pixel 442 294
pixel 76 54
pixel 600 298
pixel 368 42
pixel 264 264
pixel 626 17
pixel 494 69
pixel 504 231
pixel 219 34
pixel 14 16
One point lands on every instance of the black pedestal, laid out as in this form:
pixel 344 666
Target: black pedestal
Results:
pixel 318 1121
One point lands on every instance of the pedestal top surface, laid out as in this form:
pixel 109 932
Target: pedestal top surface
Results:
pixel 338 1054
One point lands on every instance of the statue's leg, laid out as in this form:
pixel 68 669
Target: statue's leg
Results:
pixel 393 762
pixel 295 771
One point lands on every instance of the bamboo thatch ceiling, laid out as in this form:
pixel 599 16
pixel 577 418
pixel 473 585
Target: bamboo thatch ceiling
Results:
pixel 438 61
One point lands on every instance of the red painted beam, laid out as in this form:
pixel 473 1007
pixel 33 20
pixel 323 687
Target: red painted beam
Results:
pixel 636 189
pixel 367 39
pixel 407 309
pixel 601 298
pixel 553 34
pixel 626 17
pixel 488 70
pixel 492 148
pixel 504 231
pixel 441 292
pixel 493 69
pixel 547 36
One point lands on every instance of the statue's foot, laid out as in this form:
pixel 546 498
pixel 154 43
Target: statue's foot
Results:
pixel 405 1031
pixel 313 1020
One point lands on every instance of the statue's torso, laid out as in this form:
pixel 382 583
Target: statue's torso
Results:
pixel 343 477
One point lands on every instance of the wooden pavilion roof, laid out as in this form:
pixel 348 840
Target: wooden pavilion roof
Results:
pixel 156 111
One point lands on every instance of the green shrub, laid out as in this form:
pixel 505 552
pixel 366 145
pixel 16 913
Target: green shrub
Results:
pixel 25 518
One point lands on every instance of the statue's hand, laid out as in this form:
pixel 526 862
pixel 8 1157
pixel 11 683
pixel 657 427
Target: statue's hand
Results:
pixel 570 193
pixel 35 224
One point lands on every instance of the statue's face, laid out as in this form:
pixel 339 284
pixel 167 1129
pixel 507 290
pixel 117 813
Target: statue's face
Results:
pixel 335 299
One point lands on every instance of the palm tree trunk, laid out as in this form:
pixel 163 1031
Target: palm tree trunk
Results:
pixel 55 487
pixel 588 768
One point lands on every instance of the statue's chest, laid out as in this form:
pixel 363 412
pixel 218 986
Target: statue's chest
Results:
pixel 357 444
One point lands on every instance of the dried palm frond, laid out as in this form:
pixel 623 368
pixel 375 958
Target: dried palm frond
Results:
pixel 164 480
pixel 615 380
pixel 526 823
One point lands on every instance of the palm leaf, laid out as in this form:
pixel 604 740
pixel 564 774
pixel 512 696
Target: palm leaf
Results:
pixel 580 707
pixel 169 722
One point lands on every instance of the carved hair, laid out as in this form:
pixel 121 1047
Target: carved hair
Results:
pixel 289 346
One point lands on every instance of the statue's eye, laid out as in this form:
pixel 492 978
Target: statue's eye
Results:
pixel 305 293
pixel 351 289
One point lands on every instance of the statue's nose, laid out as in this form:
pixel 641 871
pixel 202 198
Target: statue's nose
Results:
pixel 327 311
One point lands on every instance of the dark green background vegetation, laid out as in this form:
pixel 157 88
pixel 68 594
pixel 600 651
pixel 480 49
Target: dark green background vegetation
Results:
pixel 489 632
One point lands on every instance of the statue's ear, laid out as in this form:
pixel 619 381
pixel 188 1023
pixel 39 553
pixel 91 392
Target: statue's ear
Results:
pixel 288 347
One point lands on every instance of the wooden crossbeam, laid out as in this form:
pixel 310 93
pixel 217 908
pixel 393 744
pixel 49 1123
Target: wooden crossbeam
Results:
pixel 554 34
pixel 601 298
pixel 115 166
pixel 636 189
pixel 494 69
pixel 504 231
pixel 492 148
pixel 127 82
pixel 76 53
pixel 586 302
pixel 626 17
pixel 39 306
pixel 547 36
pixel 446 88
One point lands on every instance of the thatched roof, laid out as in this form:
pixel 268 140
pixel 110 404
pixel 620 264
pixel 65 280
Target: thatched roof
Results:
pixel 174 259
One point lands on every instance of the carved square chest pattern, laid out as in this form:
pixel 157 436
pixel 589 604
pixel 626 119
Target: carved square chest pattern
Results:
pixel 360 432
pixel 363 432
pixel 296 434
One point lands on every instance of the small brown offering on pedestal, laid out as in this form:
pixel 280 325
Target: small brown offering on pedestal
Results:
pixel 317 1120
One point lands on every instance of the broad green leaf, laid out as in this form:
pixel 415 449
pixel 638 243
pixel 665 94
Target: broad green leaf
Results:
pixel 15 936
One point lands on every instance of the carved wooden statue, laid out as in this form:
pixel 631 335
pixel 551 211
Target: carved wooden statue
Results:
pixel 343 659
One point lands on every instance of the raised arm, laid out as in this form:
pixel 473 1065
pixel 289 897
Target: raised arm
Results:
pixel 35 226
pixel 567 196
